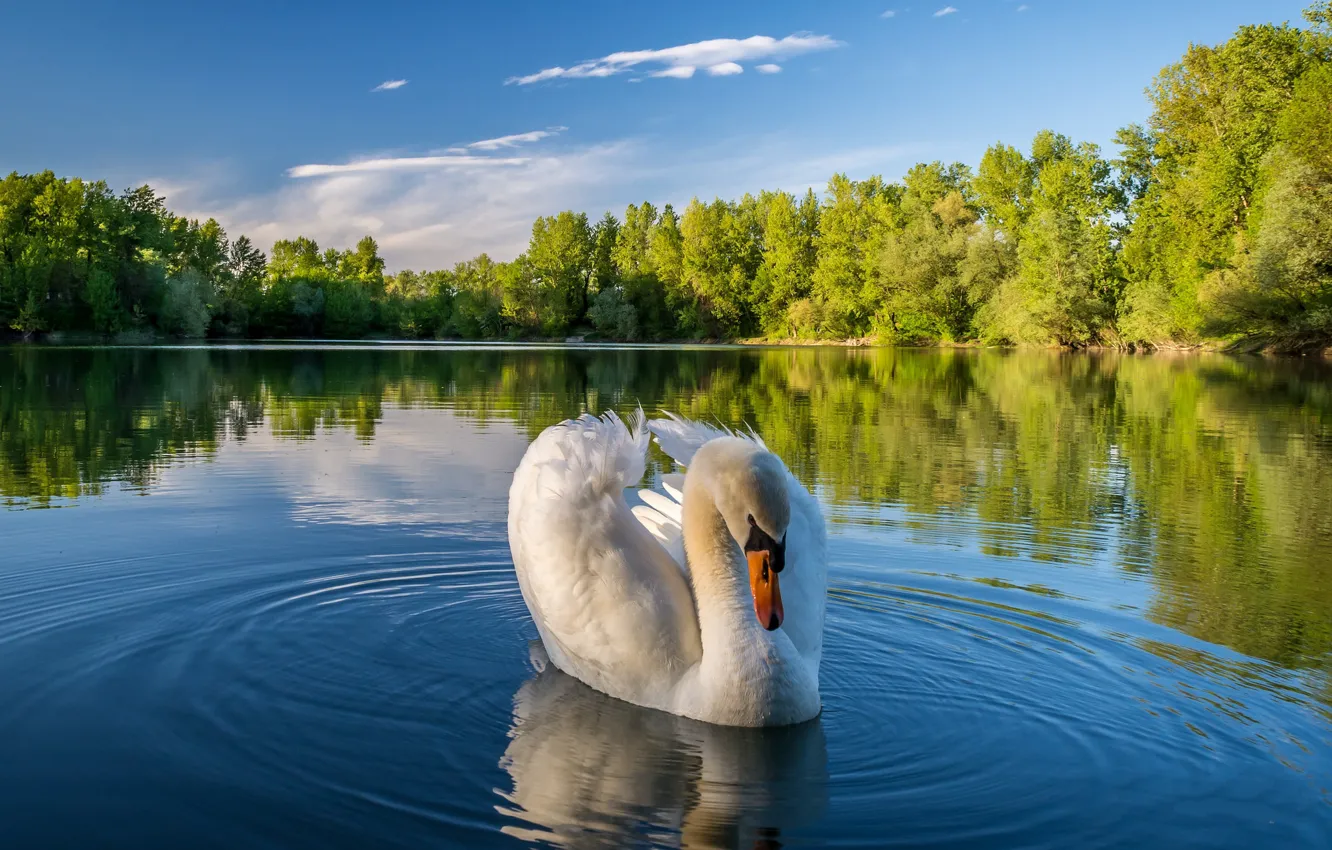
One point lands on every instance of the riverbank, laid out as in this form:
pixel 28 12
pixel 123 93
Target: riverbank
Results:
pixel 1271 346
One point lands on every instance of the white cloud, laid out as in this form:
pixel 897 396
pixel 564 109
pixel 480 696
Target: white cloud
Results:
pixel 769 69
pixel 707 54
pixel 891 13
pixel 389 85
pixel 679 72
pixel 515 140
pixel 403 163
pixel 946 10
pixel 1024 7
pixel 725 69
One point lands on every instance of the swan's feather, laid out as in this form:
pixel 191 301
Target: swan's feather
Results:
pixel 660 513
pixel 611 604
pixel 673 484
pixel 681 438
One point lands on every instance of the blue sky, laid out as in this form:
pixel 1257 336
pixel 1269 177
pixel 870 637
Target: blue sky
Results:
pixel 232 109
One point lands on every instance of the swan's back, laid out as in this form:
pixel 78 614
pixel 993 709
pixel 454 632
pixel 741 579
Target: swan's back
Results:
pixel 612 607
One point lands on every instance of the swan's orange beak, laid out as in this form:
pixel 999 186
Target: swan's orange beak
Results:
pixel 767 593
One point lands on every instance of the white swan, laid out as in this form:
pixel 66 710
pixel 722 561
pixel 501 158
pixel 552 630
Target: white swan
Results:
pixel 705 600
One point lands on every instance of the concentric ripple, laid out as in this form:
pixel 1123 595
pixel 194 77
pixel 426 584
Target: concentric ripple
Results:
pixel 982 720
pixel 375 688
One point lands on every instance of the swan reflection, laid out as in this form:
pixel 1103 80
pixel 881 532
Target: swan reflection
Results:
pixel 591 771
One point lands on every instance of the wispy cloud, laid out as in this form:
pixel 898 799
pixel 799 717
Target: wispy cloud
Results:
pixel 681 61
pixel 403 163
pixel 890 13
pixel 1024 7
pixel 426 211
pixel 389 85
pixel 515 140
pixel 768 69
pixel 946 10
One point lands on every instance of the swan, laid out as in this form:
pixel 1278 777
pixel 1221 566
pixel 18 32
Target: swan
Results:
pixel 705 599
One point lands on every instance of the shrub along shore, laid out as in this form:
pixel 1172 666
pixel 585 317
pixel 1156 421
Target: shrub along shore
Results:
pixel 1211 227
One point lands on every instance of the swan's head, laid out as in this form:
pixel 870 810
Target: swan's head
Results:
pixel 749 489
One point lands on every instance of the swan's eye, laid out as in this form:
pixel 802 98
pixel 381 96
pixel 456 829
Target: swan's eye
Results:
pixel 760 541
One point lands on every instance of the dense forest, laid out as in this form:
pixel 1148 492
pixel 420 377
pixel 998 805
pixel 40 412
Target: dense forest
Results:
pixel 1214 222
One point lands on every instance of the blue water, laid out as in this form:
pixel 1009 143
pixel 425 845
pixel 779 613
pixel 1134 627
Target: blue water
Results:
pixel 264 599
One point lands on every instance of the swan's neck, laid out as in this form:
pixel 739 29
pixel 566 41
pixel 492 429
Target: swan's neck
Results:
pixel 747 676
pixel 727 623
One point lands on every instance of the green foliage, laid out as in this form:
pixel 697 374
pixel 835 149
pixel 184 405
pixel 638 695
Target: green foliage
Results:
pixel 1196 178
pixel 559 257
pixel 719 261
pixel 104 301
pixel 613 316
pixel 1003 187
pixel 855 219
pixel 348 309
pixel 789 229
pixel 1066 284
pixel 1287 291
pixel 1305 128
pixel 479 303
pixel 919 287
pixel 185 310
pixel 307 306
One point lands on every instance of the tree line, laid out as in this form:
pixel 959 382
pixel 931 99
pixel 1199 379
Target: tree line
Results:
pixel 1214 221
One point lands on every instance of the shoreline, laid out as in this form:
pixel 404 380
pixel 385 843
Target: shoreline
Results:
pixel 1253 346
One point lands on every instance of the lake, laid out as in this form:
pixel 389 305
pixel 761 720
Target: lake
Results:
pixel 261 596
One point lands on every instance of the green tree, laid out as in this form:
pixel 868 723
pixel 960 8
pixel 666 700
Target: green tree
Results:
pixel 613 316
pixel 1066 285
pixel 789 230
pixel 1214 123
pixel 920 292
pixel 479 303
pixel 605 237
pixel 1004 186
pixel 294 256
pixel 854 220
pixel 560 257
pixel 720 258
pixel 185 310
pixel 348 308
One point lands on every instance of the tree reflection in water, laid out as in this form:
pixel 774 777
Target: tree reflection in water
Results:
pixel 1210 476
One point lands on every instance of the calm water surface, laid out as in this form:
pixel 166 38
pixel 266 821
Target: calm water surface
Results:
pixel 263 598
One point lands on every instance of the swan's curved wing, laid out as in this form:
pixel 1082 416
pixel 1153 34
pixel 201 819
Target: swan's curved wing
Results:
pixel 661 513
pixel 680 437
pixel 612 607
pixel 805 580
